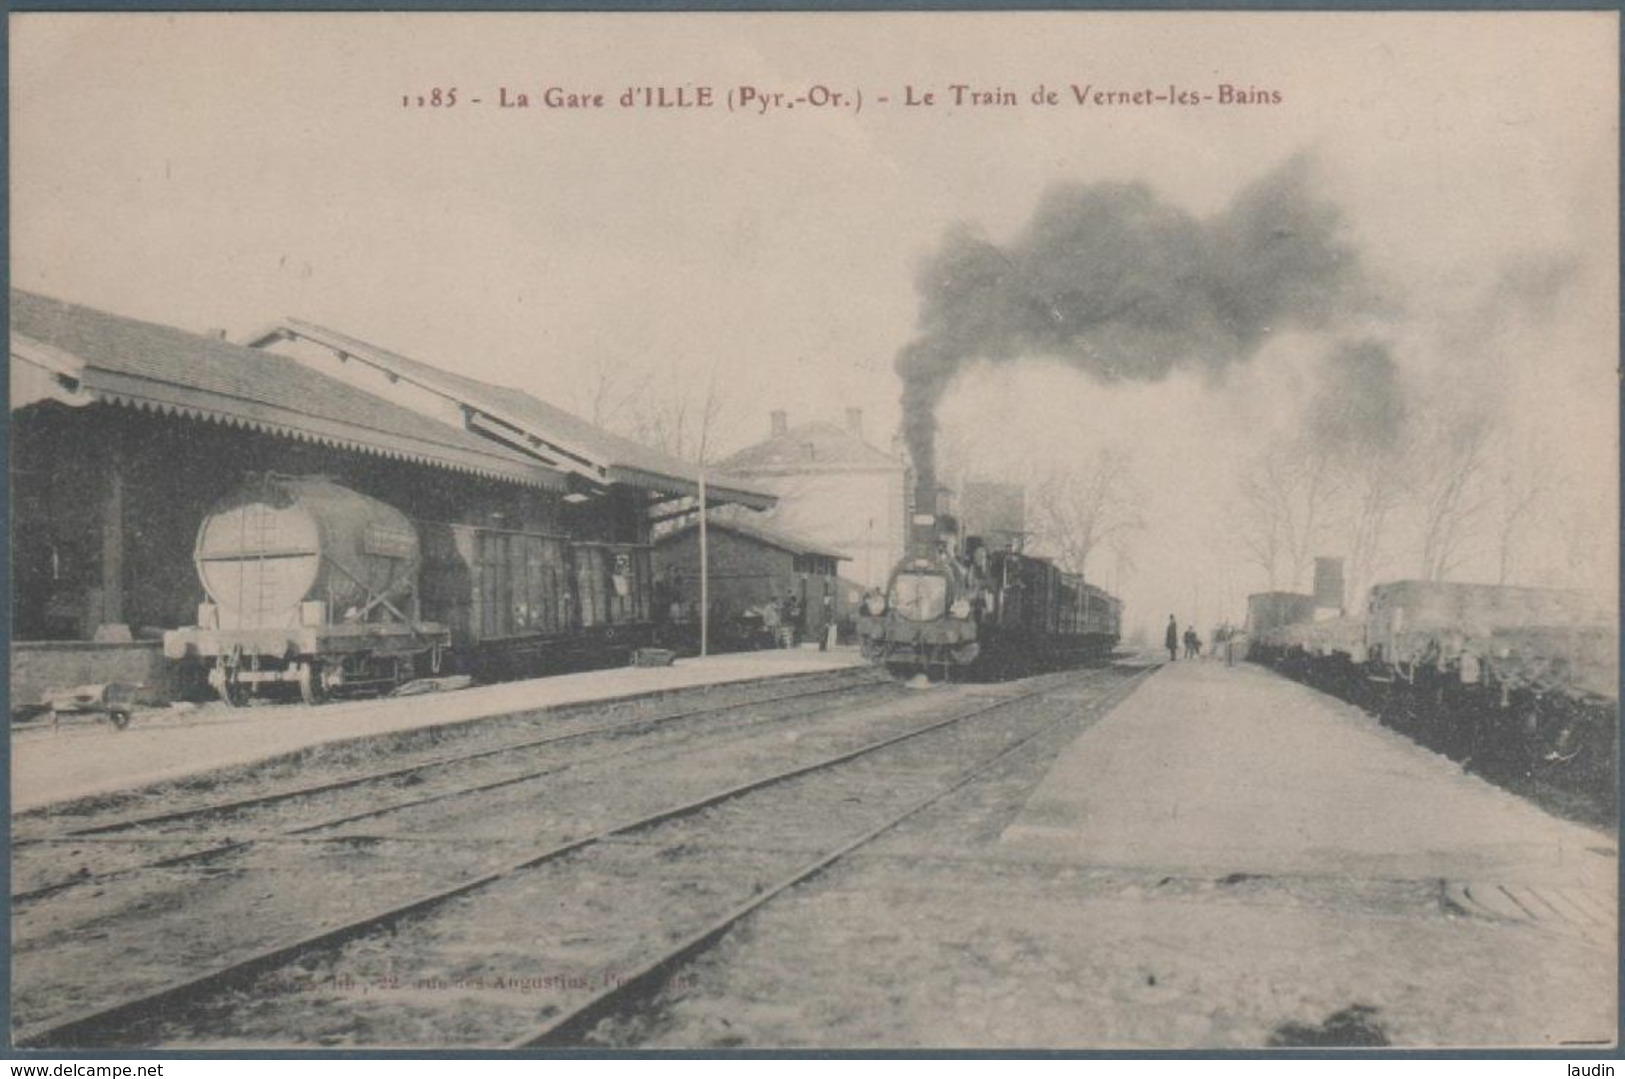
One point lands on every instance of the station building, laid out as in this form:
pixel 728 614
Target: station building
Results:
pixel 835 489
pixel 124 434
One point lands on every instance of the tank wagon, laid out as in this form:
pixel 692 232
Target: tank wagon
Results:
pixel 1478 669
pixel 985 611
pixel 312 585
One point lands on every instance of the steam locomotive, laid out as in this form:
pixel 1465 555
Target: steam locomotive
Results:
pixel 980 609
pixel 313 586
pixel 1529 675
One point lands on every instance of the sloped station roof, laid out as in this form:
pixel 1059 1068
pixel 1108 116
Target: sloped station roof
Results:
pixel 563 440
pixel 739 525
pixel 79 354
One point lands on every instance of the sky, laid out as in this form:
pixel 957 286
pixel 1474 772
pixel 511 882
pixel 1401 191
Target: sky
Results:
pixel 222 171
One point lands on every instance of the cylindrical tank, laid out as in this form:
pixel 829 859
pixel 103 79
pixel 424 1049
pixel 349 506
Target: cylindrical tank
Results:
pixel 281 541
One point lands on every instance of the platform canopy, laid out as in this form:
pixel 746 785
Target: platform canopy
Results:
pixel 78 356
pixel 545 432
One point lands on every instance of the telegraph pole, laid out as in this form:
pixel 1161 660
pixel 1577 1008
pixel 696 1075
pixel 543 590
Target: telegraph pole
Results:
pixel 706 416
pixel 705 573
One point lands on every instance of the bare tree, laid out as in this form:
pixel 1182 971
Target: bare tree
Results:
pixel 1375 489
pixel 683 424
pixel 1075 510
pixel 678 414
pixel 1587 550
pixel 1123 564
pixel 1526 482
pixel 1447 470
pixel 1263 513
pixel 1313 495
pixel 612 388
pixel 1286 501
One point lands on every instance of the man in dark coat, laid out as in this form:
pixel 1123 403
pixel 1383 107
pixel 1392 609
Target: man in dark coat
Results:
pixel 1170 640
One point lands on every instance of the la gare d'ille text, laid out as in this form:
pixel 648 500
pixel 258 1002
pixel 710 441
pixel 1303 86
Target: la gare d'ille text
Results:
pixel 956 95
pixel 686 96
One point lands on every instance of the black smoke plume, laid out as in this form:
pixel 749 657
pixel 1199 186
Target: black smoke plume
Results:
pixel 1113 281
pixel 1358 409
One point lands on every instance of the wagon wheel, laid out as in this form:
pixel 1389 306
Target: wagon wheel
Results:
pixel 1553 735
pixel 312 689
pixel 233 692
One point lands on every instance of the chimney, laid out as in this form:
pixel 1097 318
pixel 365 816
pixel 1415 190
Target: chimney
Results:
pixel 781 422
pixel 854 422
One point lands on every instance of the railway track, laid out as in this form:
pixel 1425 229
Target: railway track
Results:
pixel 415 774
pixel 840 793
pixel 152 927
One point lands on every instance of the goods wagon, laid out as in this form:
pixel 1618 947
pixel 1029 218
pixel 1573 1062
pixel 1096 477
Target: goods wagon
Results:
pixel 1270 612
pixel 1480 669
pixel 312 585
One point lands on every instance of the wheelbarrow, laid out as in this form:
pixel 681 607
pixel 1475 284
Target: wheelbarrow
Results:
pixel 115 700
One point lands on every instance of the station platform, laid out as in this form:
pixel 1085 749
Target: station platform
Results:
pixel 1245 861
pixel 1240 770
pixel 83 757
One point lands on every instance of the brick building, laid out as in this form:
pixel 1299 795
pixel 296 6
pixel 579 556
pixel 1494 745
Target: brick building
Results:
pixel 750 565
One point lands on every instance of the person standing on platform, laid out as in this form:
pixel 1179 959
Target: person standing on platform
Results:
pixel 1170 640
pixel 770 622
pixel 792 620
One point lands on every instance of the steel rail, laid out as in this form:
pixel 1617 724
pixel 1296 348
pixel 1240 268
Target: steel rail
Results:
pixel 437 762
pixel 569 1028
pixel 77 1031
pixel 56 887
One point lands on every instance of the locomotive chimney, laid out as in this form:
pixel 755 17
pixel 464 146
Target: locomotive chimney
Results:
pixel 922 530
pixel 780 421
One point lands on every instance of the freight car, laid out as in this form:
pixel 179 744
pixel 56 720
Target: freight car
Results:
pixel 311 585
pixel 986 611
pixel 1478 670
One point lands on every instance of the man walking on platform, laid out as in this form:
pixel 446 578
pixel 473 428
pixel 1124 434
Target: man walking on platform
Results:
pixel 1170 640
